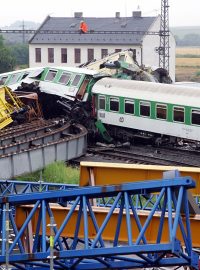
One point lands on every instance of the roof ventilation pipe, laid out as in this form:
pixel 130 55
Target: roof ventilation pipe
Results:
pixel 78 14
pixel 137 14
pixel 117 14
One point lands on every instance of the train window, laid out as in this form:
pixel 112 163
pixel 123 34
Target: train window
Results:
pixel 76 80
pixel 161 111
pixel 51 75
pixel 64 78
pixel 179 114
pixel 114 104
pixel 3 80
pixel 129 106
pixel 14 78
pixel 102 103
pixel 195 117
pixel 145 108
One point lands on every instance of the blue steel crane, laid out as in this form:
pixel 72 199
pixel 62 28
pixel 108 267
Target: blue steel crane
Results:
pixel 78 242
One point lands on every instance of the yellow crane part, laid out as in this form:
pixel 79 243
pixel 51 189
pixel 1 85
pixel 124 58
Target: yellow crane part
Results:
pixel 60 213
pixel 9 103
pixel 100 173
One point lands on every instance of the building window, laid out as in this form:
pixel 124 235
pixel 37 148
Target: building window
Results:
pixel 195 117
pixel 63 55
pixel 161 111
pixel 90 54
pixel 129 106
pixel 114 104
pixel 102 103
pixel 118 50
pixel 179 114
pixel 38 55
pixel 104 52
pixel 145 109
pixel 77 56
pixel 134 53
pixel 51 55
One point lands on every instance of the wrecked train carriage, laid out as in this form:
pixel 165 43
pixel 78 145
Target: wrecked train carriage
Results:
pixel 13 79
pixel 123 65
pixel 62 90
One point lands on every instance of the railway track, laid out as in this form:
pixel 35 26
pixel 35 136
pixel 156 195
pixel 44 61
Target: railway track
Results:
pixel 28 148
pixel 144 155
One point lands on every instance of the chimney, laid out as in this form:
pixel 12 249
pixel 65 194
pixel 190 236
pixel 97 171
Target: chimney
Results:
pixel 137 14
pixel 117 14
pixel 78 14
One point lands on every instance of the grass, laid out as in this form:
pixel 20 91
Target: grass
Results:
pixel 56 172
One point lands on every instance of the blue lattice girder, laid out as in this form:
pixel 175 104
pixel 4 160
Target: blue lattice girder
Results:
pixel 95 253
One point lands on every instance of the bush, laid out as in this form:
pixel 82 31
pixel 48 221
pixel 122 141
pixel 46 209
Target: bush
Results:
pixel 198 73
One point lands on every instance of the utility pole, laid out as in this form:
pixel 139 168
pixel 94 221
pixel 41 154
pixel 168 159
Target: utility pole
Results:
pixel 164 36
pixel 23 32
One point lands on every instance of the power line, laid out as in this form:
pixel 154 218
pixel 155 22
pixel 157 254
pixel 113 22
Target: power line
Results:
pixel 31 31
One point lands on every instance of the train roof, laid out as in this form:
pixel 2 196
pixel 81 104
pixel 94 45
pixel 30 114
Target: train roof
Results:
pixel 19 71
pixel 164 93
pixel 190 84
pixel 75 70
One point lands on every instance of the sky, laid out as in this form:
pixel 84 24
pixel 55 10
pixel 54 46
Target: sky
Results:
pixel 181 12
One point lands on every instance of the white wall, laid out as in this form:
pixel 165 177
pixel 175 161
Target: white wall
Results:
pixel 151 42
pixel 70 53
pixel 172 57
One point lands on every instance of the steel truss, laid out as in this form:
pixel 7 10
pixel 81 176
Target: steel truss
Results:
pixel 164 36
pixel 11 187
pixel 48 246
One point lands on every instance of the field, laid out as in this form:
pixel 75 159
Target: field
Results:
pixel 188 64
pixel 188 50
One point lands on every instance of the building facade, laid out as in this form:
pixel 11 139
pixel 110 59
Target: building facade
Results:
pixel 58 41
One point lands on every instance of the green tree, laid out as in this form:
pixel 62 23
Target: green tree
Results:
pixel 20 53
pixel 7 61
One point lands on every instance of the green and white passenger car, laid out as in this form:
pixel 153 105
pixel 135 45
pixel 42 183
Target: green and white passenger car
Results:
pixel 152 110
pixel 64 82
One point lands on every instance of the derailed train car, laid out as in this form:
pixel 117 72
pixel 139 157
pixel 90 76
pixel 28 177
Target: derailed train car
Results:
pixel 122 105
pixel 161 113
pixel 121 109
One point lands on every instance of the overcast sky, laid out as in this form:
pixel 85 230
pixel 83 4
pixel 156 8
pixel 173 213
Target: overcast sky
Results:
pixel 182 12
